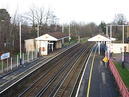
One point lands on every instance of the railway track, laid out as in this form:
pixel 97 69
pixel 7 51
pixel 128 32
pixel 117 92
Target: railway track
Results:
pixel 45 85
pixel 49 80
pixel 64 85
pixel 45 79
pixel 68 85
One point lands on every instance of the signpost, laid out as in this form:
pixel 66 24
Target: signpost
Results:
pixel 4 56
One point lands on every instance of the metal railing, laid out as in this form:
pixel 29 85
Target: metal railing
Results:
pixel 14 61
pixel 122 87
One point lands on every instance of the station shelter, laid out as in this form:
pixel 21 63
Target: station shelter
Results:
pixel 50 41
pixel 101 41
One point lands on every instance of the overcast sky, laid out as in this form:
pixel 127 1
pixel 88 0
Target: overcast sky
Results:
pixel 78 10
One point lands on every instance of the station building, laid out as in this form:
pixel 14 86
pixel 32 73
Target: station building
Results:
pixel 113 46
pixel 46 43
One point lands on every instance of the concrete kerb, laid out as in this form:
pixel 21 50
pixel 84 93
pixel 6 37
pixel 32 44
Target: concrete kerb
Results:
pixel 82 76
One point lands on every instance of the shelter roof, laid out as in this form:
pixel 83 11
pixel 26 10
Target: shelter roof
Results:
pixel 99 38
pixel 53 36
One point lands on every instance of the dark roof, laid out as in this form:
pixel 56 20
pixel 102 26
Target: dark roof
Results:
pixel 58 35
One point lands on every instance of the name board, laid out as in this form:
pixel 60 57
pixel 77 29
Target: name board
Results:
pixel 5 56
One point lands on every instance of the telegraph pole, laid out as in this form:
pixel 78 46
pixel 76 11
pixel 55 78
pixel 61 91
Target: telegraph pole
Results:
pixel 107 31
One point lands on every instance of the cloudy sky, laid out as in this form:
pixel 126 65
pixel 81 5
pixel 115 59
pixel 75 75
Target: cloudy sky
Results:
pixel 77 10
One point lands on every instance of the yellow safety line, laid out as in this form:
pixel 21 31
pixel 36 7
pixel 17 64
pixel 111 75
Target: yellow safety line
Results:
pixel 91 71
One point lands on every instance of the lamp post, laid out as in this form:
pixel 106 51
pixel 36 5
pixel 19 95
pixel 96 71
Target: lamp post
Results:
pixel 109 34
pixel 69 34
pixel 123 47
pixel 20 43
pixel 38 31
pixel 37 47
pixel 123 32
pixel 110 31
pixel 107 31
pixel 62 28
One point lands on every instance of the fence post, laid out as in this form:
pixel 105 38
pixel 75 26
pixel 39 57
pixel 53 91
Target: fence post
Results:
pixel 32 55
pixel 36 53
pixel 7 64
pixel 23 58
pixel 28 56
pixel 2 67
pixel 11 63
pixel 17 60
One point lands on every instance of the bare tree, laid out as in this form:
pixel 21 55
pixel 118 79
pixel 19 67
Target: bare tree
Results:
pixel 82 29
pixel 119 19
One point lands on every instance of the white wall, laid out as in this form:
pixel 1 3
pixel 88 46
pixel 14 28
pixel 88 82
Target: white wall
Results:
pixel 59 44
pixel 29 45
pixel 118 47
pixel 42 47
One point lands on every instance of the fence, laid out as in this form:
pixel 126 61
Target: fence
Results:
pixel 123 89
pixel 14 61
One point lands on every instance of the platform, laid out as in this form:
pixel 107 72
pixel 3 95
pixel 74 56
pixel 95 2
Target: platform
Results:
pixel 97 80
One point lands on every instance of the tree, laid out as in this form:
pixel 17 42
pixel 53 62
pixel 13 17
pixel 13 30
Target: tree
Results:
pixel 102 27
pixel 4 29
pixel 120 19
pixel 84 30
pixel 40 16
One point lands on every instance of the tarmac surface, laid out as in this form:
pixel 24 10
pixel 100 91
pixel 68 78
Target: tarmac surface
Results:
pixel 101 83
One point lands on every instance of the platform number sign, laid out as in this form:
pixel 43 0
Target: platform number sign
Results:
pixel 4 56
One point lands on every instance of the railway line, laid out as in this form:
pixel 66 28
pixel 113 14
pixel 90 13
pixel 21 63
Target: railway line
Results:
pixel 52 73
pixel 57 78
pixel 67 85
pixel 55 85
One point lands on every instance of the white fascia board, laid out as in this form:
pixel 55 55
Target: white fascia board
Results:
pixel 46 37
pixel 99 38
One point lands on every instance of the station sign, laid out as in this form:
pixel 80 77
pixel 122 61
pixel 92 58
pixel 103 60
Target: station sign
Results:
pixel 4 56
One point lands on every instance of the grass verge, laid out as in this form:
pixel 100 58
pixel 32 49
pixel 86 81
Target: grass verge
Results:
pixel 124 73
pixel 84 40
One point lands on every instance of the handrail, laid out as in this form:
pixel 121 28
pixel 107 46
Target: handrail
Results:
pixel 122 87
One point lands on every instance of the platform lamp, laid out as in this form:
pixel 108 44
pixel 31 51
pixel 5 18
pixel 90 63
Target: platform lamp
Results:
pixel 123 59
pixel 20 43
pixel 62 28
pixel 69 34
pixel 123 56
pixel 37 48
pixel 108 34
